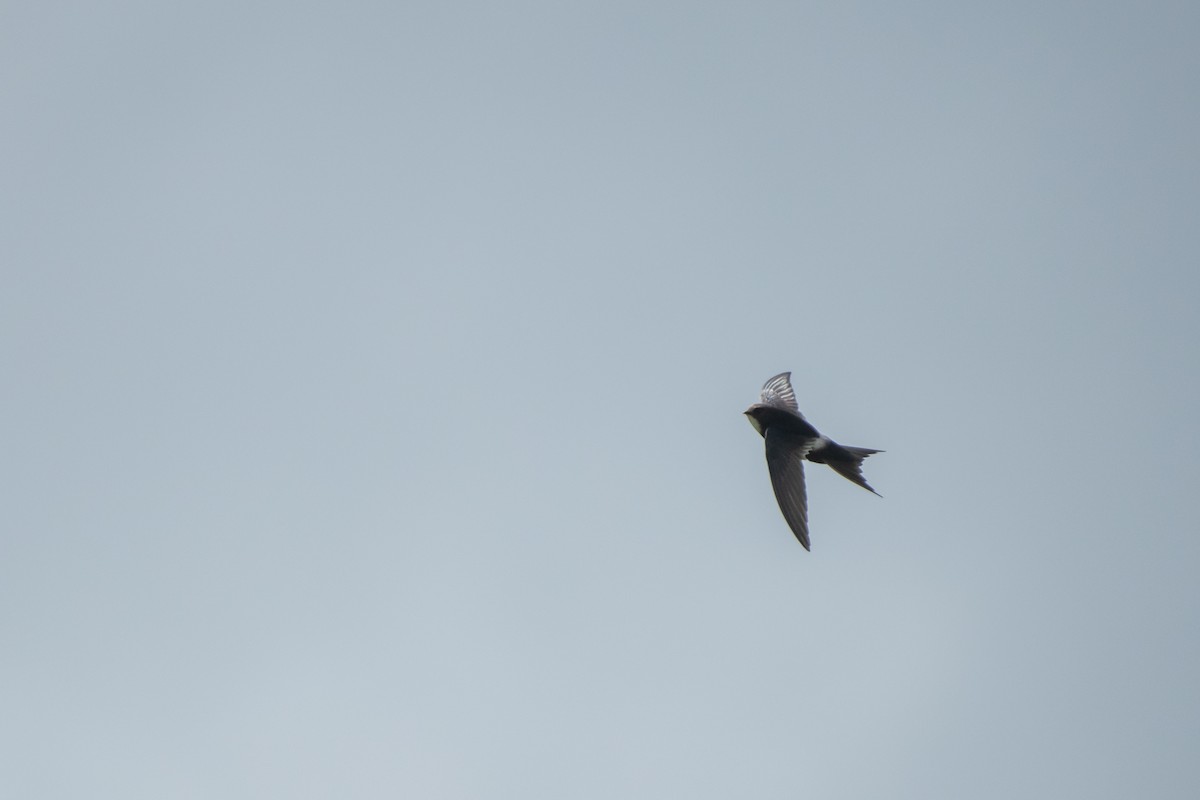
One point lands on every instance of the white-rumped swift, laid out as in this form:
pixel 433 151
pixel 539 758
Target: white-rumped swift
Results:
pixel 791 439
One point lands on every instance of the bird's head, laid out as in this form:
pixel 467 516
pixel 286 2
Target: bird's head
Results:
pixel 754 414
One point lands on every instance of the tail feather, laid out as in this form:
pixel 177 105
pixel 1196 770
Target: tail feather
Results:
pixel 851 468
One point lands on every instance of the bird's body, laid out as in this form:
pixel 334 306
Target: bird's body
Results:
pixel 790 440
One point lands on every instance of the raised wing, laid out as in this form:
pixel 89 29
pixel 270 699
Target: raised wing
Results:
pixel 778 392
pixel 785 461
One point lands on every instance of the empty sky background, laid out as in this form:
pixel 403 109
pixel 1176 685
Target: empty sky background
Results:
pixel 373 378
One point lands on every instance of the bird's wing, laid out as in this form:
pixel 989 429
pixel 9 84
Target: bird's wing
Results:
pixel 785 461
pixel 778 392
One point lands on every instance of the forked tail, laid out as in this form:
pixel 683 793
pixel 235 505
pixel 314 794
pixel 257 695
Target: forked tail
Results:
pixel 850 467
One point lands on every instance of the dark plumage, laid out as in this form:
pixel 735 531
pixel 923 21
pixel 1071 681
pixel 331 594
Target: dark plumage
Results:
pixel 790 439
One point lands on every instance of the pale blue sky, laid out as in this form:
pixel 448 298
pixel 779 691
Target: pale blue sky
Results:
pixel 373 379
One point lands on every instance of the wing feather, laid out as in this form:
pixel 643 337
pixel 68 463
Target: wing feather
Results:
pixel 778 392
pixel 785 461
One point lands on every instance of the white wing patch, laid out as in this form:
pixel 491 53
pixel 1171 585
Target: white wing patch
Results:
pixel 778 392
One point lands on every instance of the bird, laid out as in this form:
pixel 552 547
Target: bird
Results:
pixel 790 439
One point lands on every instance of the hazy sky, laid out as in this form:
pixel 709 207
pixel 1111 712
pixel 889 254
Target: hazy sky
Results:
pixel 373 378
